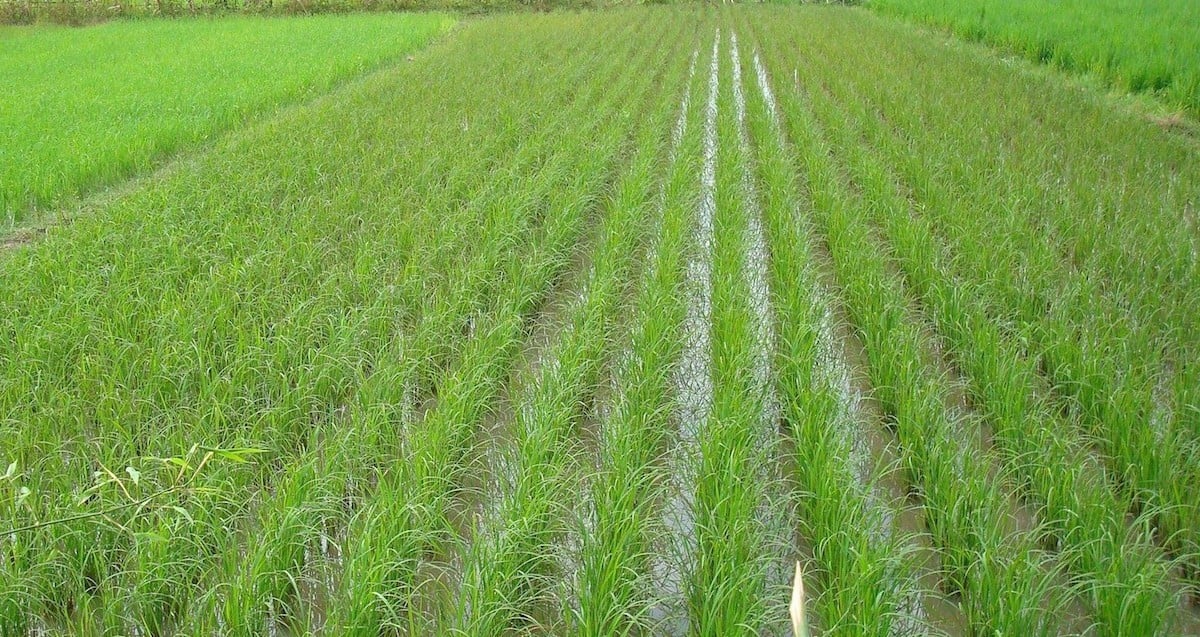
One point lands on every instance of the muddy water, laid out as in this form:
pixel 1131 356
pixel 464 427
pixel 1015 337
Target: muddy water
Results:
pixel 755 267
pixel 775 512
pixel 899 510
pixel 315 588
pixel 693 379
pixel 608 395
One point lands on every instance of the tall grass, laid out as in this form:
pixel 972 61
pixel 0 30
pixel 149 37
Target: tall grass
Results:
pixel 82 12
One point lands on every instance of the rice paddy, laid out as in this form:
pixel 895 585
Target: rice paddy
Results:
pixel 88 107
pixel 1133 45
pixel 599 323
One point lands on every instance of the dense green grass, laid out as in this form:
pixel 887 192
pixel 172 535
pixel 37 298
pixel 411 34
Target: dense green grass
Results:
pixel 552 344
pixel 88 107
pixel 91 11
pixel 1134 45
pixel 887 128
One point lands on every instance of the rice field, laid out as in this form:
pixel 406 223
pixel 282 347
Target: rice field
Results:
pixel 597 323
pixel 90 107
pixel 1132 45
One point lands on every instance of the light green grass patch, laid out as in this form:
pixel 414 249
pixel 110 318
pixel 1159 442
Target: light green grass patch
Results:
pixel 87 107
pixel 1134 45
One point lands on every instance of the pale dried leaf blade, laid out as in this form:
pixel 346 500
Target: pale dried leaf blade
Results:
pixel 799 623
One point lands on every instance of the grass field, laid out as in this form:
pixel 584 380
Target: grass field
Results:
pixel 88 107
pixel 1132 45
pixel 79 12
pixel 605 327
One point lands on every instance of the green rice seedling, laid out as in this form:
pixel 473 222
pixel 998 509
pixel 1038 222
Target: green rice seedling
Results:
pixel 452 429
pixel 460 409
pixel 977 255
pixel 1146 169
pixel 348 285
pixel 1105 319
pixel 620 579
pixel 863 566
pixel 1135 46
pixel 1124 581
pixel 285 334
pixel 513 551
pixel 425 342
pixel 414 284
pixel 90 107
pixel 379 532
pixel 417 283
pixel 997 570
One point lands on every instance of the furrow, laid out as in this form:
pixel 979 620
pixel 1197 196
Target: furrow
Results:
pixel 693 378
pixel 622 558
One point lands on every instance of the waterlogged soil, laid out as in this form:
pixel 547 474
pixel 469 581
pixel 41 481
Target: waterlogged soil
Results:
pixel 485 480
pixel 316 587
pixel 1189 618
pixel 692 379
pixel 940 612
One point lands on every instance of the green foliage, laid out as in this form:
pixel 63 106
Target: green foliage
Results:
pixel 1133 45
pixel 481 344
pixel 78 12
pixel 90 107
